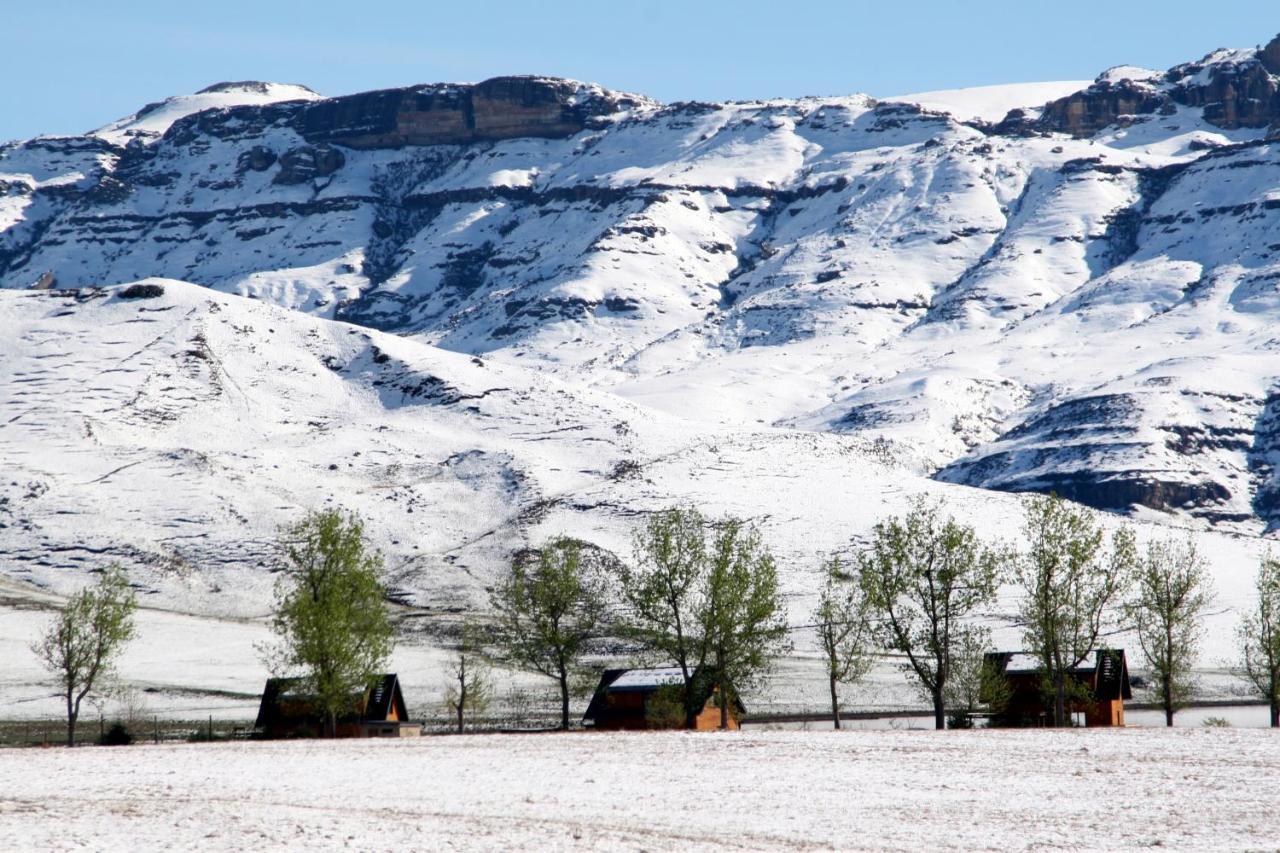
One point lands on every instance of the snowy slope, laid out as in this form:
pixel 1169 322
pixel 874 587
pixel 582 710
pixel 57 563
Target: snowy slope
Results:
pixel 154 119
pixel 177 433
pixel 482 314
pixel 991 103
pixel 920 269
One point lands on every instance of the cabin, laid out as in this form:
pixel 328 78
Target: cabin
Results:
pixel 380 711
pixel 644 699
pixel 1104 674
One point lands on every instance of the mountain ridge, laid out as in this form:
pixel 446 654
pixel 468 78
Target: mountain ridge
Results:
pixel 885 269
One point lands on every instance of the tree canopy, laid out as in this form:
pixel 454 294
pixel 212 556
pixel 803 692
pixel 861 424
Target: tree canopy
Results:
pixel 926 576
pixel 81 645
pixel 550 607
pixel 1071 577
pixel 331 620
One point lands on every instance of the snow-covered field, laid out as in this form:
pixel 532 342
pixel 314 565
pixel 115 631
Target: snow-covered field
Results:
pixel 1092 790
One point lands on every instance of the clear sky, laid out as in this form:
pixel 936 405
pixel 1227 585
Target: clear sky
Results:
pixel 67 66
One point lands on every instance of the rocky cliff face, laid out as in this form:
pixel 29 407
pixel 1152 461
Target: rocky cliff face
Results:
pixel 1233 89
pixel 500 108
pixel 1102 105
pixel 1080 298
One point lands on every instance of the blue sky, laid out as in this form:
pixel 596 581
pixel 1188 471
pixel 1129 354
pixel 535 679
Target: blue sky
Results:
pixel 69 66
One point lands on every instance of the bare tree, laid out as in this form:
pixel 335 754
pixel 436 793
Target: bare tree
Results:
pixel 469 689
pixel 843 624
pixel 925 577
pixel 1259 635
pixel 1071 580
pixel 549 610
pixel 1171 591
pixel 81 645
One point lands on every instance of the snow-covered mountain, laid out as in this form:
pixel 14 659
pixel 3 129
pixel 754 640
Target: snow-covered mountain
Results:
pixel 1072 294
pixel 486 313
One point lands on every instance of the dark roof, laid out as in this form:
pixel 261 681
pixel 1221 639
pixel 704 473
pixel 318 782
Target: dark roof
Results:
pixel 382 698
pixel 648 681
pixel 384 695
pixel 1113 675
pixel 1108 665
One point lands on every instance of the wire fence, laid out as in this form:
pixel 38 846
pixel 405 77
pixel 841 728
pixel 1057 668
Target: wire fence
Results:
pixel 51 731
pixel 105 731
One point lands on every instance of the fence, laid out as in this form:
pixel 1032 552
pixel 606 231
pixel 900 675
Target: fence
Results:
pixel 93 730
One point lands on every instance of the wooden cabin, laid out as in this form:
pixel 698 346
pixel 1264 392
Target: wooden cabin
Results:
pixel 380 711
pixel 1104 674
pixel 643 699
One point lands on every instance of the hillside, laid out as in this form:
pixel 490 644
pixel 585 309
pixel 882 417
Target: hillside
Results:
pixel 482 314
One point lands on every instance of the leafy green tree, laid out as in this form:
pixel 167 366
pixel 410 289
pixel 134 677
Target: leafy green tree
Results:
pixel 1171 591
pixel 1071 579
pixel 925 577
pixel 713 608
pixel 550 609
pixel 842 621
pixel 82 644
pixel 1259 635
pixel 666 593
pixel 469 689
pixel 331 618
pixel 744 622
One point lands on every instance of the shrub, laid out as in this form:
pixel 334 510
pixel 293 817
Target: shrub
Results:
pixel 117 735
pixel 665 708
pixel 142 291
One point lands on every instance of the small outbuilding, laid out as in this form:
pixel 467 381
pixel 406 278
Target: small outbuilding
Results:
pixel 286 712
pixel 1104 675
pixel 641 699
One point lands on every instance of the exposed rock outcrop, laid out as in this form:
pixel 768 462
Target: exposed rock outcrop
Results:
pixel 1235 95
pixel 1235 89
pixel 500 108
pixel 1102 105
pixel 1270 56
pixel 439 114
pixel 300 165
pixel 259 158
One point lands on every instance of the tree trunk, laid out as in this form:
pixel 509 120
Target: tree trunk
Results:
pixel 564 700
pixel 1059 699
pixel 333 724
pixel 1275 713
pixel 724 708
pixel 462 701
pixel 1168 702
pixel 939 710
pixel 835 704
pixel 71 721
